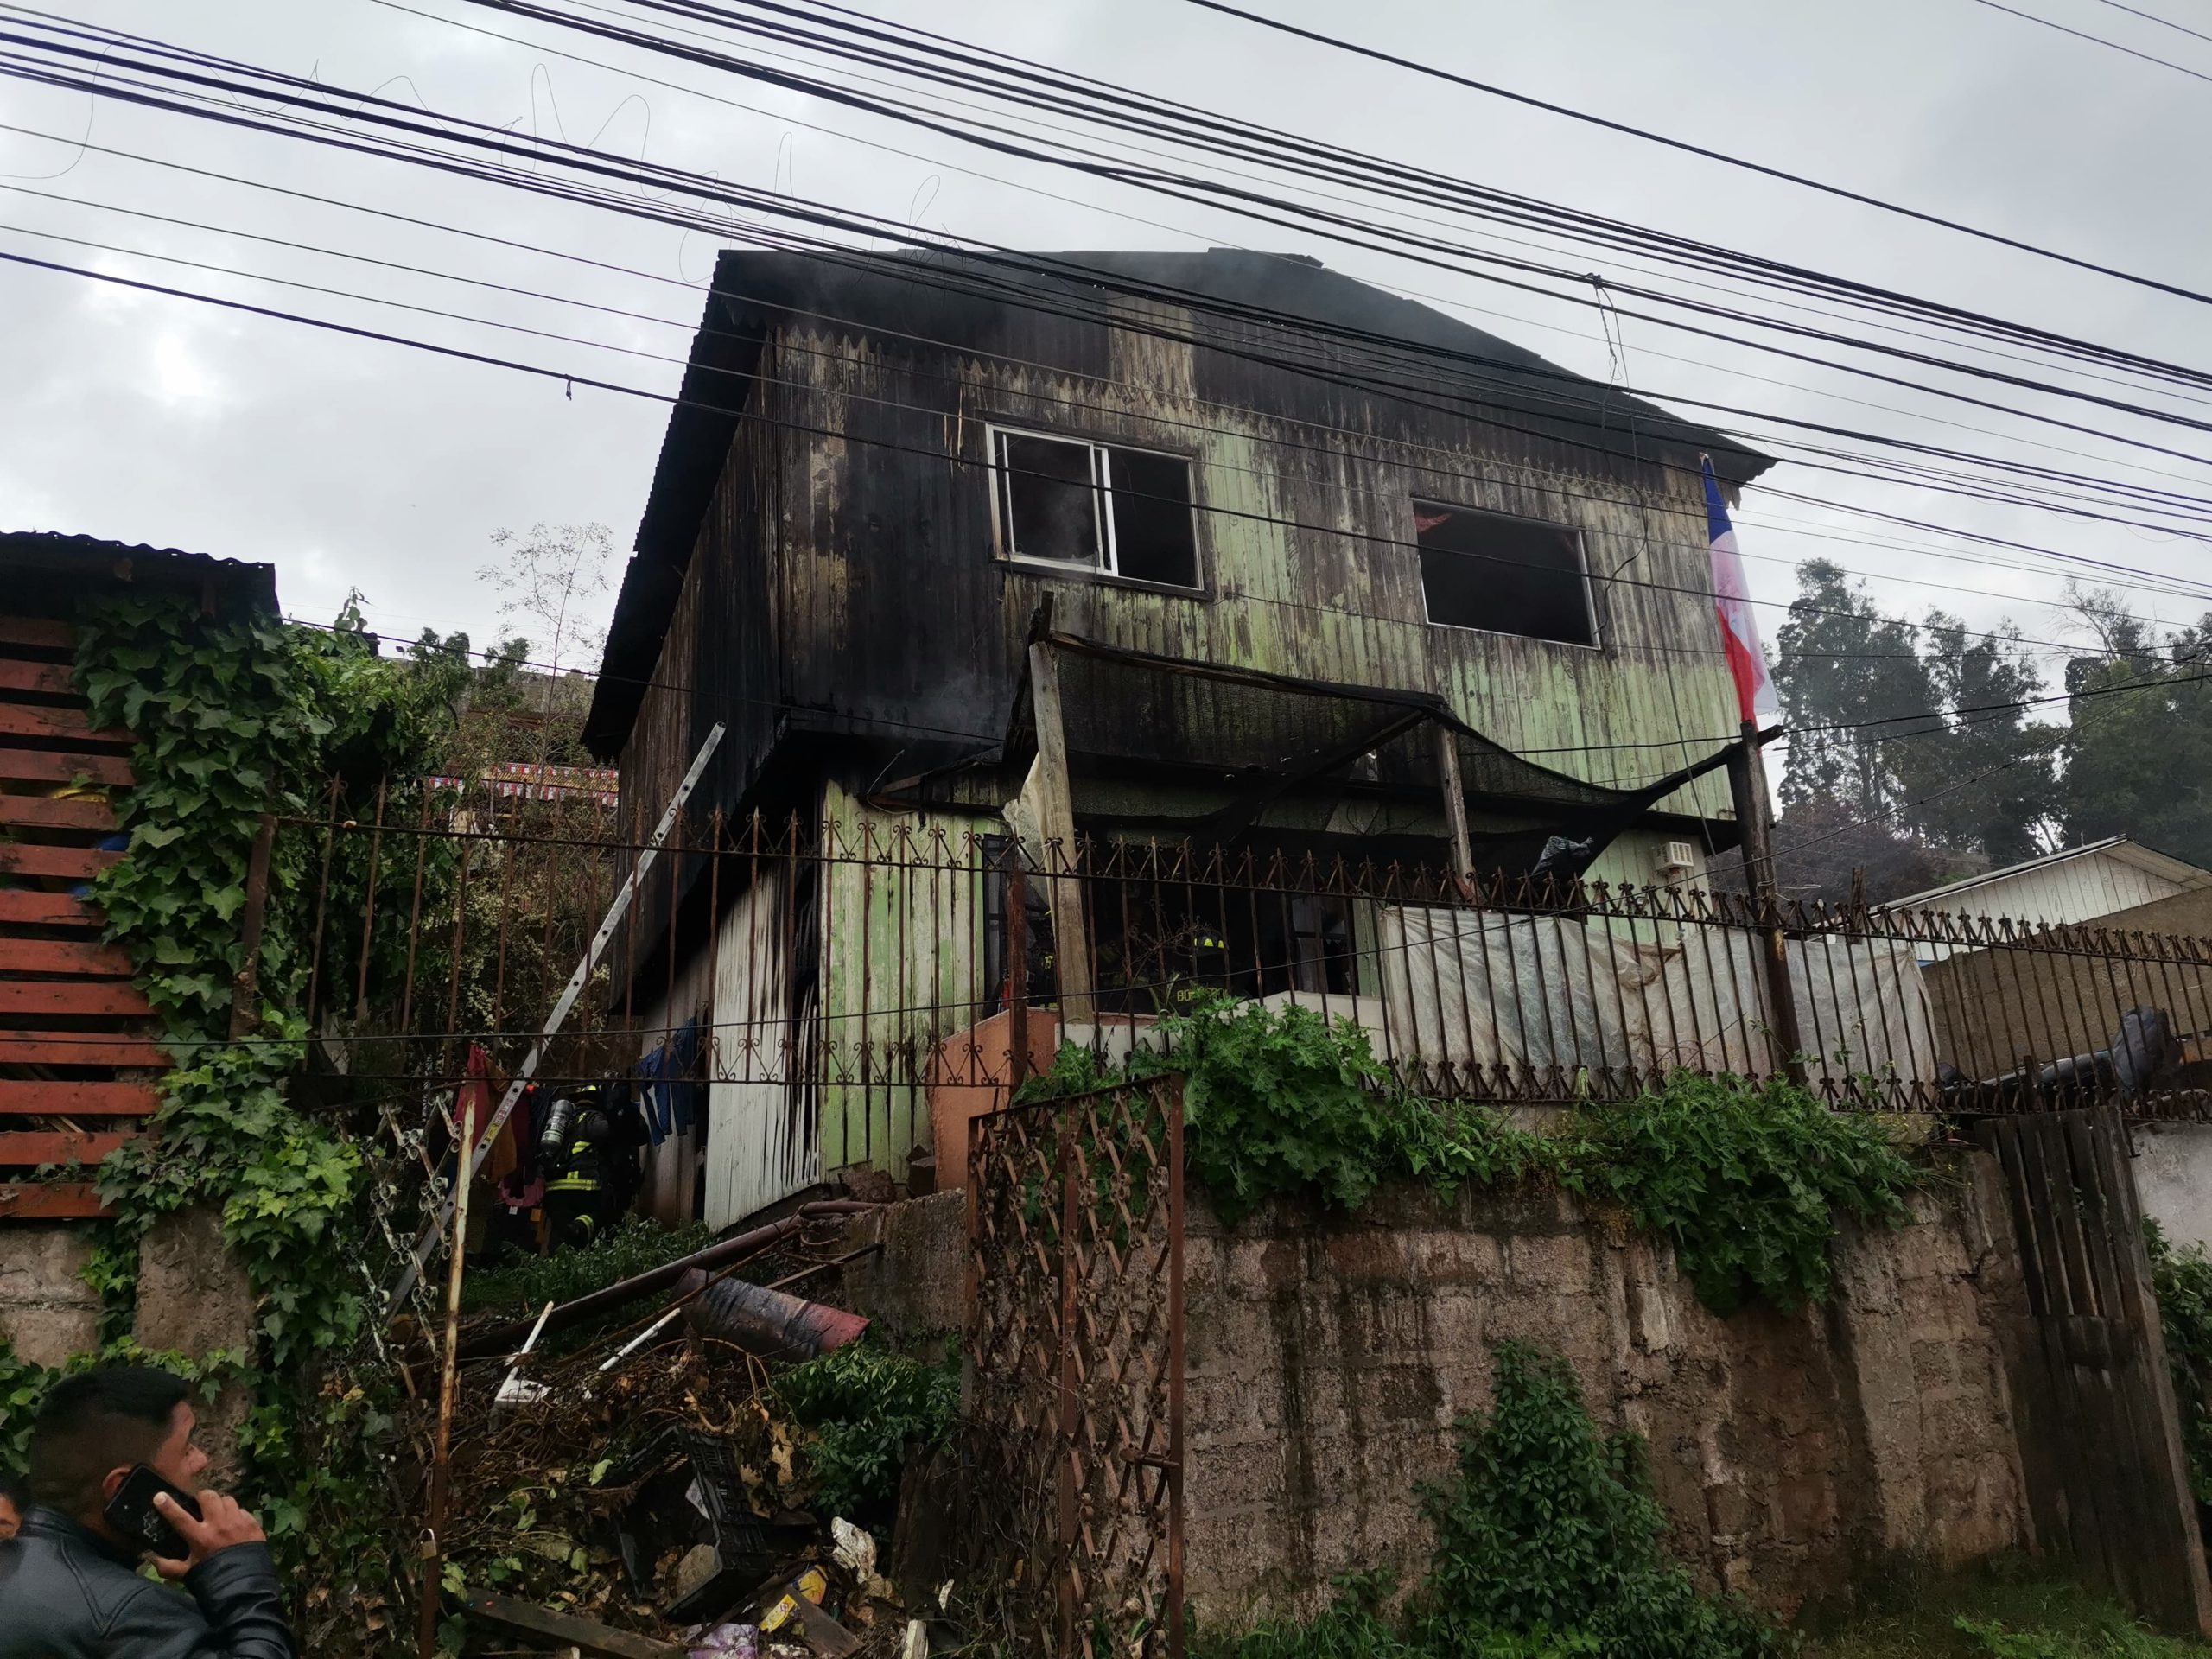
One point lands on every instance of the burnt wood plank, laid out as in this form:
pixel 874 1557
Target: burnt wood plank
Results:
pixel 66 863
pixel 59 766
pixel 49 997
pixel 19 907
pixel 50 1201
pixel 83 958
pixel 45 633
pixel 49 679
pixel 52 812
pixel 44 1099
pixel 81 1048
pixel 29 1147
pixel 69 725
pixel 566 1629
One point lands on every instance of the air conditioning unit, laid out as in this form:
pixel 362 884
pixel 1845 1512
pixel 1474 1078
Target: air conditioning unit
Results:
pixel 1678 860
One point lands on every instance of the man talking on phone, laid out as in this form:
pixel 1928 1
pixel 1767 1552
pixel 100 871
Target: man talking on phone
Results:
pixel 69 1582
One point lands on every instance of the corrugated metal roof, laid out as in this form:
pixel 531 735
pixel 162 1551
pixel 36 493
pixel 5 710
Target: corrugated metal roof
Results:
pixel 56 553
pixel 2184 876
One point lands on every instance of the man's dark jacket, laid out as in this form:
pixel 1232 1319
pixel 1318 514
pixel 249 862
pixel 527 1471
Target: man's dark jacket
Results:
pixel 67 1594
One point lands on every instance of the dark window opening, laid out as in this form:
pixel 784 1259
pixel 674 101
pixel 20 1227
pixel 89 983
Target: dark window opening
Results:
pixel 1153 938
pixel 1121 512
pixel 1508 575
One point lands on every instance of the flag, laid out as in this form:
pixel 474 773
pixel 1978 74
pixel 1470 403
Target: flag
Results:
pixel 1739 633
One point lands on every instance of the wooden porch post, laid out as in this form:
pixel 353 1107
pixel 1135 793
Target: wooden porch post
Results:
pixel 1748 783
pixel 1055 823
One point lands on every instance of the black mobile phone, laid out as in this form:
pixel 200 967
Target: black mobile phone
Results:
pixel 131 1512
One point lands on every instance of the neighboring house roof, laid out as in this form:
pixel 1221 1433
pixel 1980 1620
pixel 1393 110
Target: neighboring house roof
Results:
pixel 2066 885
pixel 50 560
pixel 1236 299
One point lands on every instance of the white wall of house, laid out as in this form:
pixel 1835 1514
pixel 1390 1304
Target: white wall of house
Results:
pixel 2173 1177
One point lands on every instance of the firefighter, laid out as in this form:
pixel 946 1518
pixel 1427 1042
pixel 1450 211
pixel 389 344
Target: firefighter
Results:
pixel 577 1208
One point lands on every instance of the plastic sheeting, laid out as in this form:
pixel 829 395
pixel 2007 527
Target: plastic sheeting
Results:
pixel 1539 996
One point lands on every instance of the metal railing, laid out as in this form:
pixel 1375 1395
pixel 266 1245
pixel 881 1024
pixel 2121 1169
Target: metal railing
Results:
pixel 833 976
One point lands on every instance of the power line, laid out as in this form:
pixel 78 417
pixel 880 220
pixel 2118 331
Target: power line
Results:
pixel 1721 157
pixel 607 385
pixel 1061 399
pixel 2080 35
pixel 2163 23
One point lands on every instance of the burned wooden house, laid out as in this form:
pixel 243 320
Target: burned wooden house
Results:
pixel 1114 551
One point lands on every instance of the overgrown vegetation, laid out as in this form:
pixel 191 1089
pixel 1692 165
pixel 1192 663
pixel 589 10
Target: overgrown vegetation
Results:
pixel 633 1246
pixel 1747 1181
pixel 865 1407
pixel 233 716
pixel 2183 1280
pixel 1744 1180
pixel 1547 1544
pixel 2007 1608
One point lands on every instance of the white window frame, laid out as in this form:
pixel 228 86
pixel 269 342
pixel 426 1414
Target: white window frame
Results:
pixel 1102 479
pixel 1596 640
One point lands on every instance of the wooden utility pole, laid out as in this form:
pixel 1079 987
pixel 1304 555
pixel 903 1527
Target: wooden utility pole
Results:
pixel 1754 823
pixel 1056 828
pixel 1455 805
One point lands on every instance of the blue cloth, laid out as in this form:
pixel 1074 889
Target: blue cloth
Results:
pixel 668 1091
pixel 654 1104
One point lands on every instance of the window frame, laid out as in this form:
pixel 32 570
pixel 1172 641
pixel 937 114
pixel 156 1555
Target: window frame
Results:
pixel 1101 464
pixel 1415 504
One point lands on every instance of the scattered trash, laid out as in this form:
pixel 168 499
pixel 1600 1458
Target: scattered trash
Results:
pixel 810 1587
pixel 689 1540
pixel 729 1642
pixel 855 1552
pixel 768 1323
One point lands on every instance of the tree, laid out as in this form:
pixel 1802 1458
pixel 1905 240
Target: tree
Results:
pixel 2139 748
pixel 550 581
pixel 1903 729
pixel 1841 665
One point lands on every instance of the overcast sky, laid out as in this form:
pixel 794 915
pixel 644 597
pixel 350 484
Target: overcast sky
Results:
pixel 351 464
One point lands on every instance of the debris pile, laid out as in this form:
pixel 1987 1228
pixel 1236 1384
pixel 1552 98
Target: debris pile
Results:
pixel 662 1486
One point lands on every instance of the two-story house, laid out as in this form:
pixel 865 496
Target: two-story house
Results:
pixel 1121 548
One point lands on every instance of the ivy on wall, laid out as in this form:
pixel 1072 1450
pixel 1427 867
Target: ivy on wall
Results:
pixel 1748 1181
pixel 231 717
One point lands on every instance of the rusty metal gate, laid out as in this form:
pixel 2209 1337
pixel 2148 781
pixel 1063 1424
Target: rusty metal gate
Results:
pixel 2101 1441
pixel 1074 1407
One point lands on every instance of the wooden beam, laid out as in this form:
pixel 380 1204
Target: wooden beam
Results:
pixel 28 1148
pixel 55 767
pixel 65 863
pixel 21 907
pixel 1455 804
pixel 73 725
pixel 49 997
pixel 78 1099
pixel 52 678
pixel 566 1630
pixel 1056 824
pixel 65 958
pixel 47 812
pixel 81 1048
pixel 50 1201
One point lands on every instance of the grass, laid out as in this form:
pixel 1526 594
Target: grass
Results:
pixel 2002 1612
pixel 524 1284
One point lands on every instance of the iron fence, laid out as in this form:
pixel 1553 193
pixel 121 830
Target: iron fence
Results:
pixel 1072 1402
pixel 820 987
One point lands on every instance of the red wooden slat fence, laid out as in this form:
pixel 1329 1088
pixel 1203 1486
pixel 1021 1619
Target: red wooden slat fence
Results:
pixel 77 1058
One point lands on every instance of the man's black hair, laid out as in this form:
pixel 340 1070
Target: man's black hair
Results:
pixel 13 1488
pixel 95 1422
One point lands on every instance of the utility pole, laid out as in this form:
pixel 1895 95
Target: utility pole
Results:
pixel 1754 823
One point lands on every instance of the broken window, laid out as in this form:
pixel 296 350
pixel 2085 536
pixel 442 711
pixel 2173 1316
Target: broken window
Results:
pixel 1095 507
pixel 1508 575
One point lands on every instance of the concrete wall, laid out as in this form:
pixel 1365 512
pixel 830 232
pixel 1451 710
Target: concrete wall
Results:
pixel 2173 1177
pixel 1328 1358
pixel 1327 1362
pixel 47 1312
